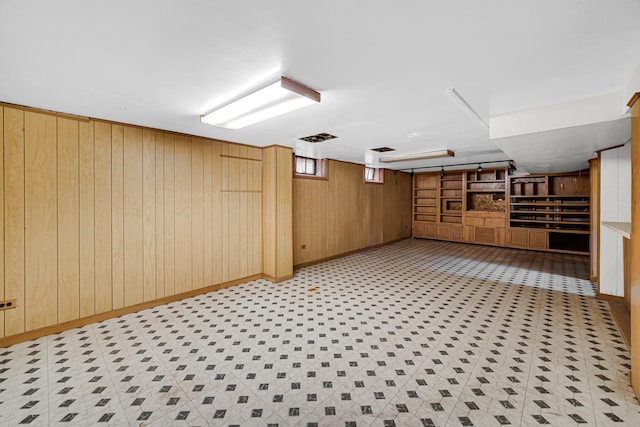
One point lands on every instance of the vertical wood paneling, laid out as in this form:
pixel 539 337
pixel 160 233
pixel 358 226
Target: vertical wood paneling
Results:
pixel 133 217
pixel 97 216
pixel 197 212
pixel 285 211
pixel 327 226
pixel 216 221
pixel 2 216
pixel 68 221
pixel 41 220
pixel 169 215
pixel 207 212
pixel 149 213
pixel 159 215
pixel 269 230
pixel 117 214
pixel 183 214
pixel 14 270
pixel 243 213
pixel 103 225
pixel 224 208
pixel 86 155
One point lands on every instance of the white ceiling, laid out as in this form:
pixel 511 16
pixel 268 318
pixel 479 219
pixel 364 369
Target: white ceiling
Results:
pixel 382 67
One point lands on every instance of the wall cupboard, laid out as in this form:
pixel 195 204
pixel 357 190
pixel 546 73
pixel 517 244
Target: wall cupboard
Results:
pixel 540 212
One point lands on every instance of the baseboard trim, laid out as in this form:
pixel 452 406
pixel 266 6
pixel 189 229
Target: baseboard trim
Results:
pixel 78 323
pixel 277 279
pixel 610 298
pixel 329 258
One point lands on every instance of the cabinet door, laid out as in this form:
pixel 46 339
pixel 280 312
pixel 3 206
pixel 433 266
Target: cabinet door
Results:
pixel 444 231
pixel 537 239
pixel 430 230
pixel 518 238
pixel 485 235
pixel 500 236
pixel 456 232
pixel 419 229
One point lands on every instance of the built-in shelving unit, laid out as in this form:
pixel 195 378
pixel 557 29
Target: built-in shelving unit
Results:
pixel 451 205
pixel 542 212
pixel 551 212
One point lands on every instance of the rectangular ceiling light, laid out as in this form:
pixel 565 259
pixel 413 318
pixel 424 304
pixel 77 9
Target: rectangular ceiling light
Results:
pixel 418 156
pixel 277 98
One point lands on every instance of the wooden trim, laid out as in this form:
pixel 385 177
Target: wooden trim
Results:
pixel 240 157
pixel 608 148
pixel 622 317
pixel 48 112
pixel 633 99
pixel 299 88
pixel 241 191
pixel 277 279
pixel 329 258
pixel 611 298
pixel 61 327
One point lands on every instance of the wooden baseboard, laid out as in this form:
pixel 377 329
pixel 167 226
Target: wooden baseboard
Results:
pixel 622 316
pixel 329 258
pixel 61 327
pixel 277 279
pixel 610 298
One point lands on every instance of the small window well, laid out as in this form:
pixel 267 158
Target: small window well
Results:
pixel 374 175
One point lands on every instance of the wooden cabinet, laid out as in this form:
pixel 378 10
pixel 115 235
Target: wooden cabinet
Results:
pixel 527 238
pixel 541 212
pixel 488 228
pixel 554 210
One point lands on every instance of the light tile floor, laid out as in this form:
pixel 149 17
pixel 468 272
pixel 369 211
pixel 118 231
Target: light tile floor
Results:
pixel 417 333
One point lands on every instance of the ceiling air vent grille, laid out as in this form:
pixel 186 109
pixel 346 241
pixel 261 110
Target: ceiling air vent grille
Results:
pixel 321 137
pixel 383 149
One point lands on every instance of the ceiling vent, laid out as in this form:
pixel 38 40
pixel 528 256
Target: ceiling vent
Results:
pixel 383 149
pixel 321 137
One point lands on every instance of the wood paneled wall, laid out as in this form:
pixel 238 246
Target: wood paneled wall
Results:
pixel 98 216
pixel 277 208
pixel 343 213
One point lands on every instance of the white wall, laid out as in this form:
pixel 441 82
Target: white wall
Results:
pixel 615 206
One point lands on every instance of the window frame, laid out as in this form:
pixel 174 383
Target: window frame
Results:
pixel 378 175
pixel 319 166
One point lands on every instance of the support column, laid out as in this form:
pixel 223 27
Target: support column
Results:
pixel 277 213
pixel 635 242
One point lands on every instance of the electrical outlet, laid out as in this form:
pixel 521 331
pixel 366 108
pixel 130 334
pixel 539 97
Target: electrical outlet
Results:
pixel 7 304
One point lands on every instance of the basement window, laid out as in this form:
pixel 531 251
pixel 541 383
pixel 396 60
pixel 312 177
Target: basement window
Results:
pixel 375 175
pixel 310 168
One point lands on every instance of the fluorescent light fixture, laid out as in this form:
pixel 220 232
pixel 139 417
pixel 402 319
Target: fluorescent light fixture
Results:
pixel 463 104
pixel 418 156
pixel 273 100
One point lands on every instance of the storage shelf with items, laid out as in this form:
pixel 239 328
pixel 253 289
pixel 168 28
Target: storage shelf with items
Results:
pixel 558 204
pixel 451 199
pixel 486 190
pixel 425 204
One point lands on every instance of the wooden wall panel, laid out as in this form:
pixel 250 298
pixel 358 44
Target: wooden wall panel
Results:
pixel 159 215
pixel 68 220
pixel 14 219
pixel 183 272
pixel 169 215
pixel 117 215
pixel 197 212
pixel 98 216
pixel 41 220
pixel 133 216
pixel 149 214
pixel 216 215
pixel 269 230
pixel 284 200
pixel 103 266
pixel 207 214
pixel 325 226
pixel 2 216
pixel 86 155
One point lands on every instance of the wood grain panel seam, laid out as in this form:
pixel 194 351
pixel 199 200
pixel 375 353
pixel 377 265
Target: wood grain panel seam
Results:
pixel 229 156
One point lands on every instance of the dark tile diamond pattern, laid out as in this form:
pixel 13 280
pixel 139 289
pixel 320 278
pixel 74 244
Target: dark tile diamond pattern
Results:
pixel 418 333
